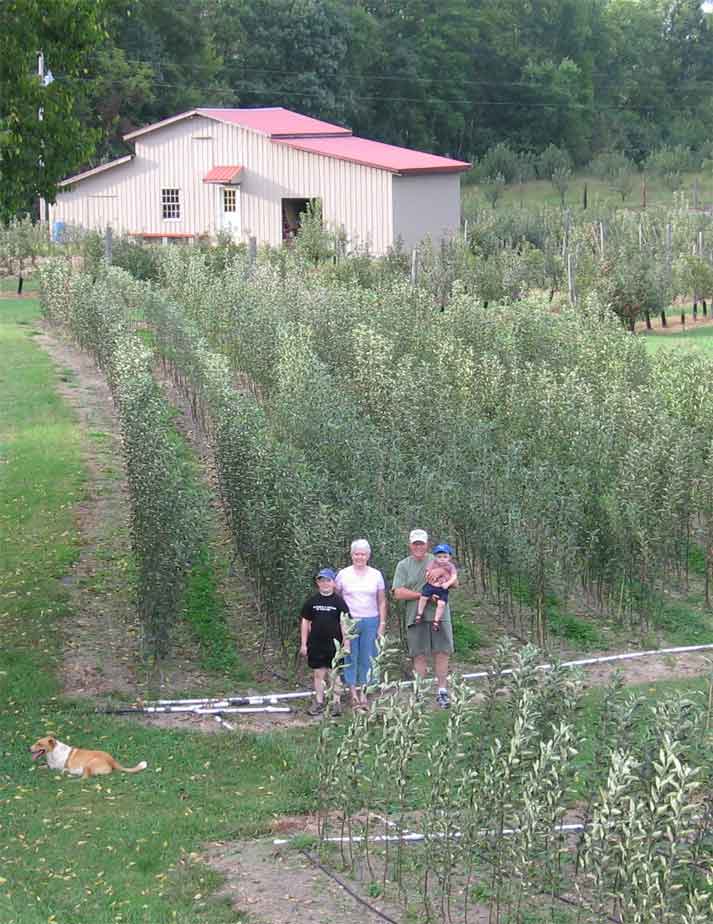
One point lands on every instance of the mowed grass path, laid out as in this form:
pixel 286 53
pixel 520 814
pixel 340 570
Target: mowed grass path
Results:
pixel 698 339
pixel 121 849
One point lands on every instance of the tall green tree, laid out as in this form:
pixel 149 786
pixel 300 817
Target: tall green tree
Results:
pixel 306 55
pixel 421 84
pixel 41 136
pixel 160 59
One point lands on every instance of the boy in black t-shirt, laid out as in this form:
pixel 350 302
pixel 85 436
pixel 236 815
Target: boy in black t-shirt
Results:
pixel 321 627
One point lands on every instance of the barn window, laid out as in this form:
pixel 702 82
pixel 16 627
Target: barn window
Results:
pixel 170 204
pixel 230 200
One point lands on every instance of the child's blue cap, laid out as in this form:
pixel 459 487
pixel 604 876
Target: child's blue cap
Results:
pixel 444 547
pixel 326 573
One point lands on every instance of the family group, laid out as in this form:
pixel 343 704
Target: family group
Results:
pixel 358 593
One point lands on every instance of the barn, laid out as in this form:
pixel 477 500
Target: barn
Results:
pixel 251 173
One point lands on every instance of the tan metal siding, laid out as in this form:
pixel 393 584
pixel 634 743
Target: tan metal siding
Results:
pixel 355 197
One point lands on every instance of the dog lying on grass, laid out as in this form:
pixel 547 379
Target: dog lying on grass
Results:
pixel 78 761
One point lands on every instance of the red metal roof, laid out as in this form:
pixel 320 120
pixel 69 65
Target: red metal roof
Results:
pixel 317 137
pixel 222 174
pixel 376 154
pixel 275 122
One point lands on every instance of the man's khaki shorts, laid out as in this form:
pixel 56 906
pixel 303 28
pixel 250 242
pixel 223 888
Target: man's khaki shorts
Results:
pixel 422 640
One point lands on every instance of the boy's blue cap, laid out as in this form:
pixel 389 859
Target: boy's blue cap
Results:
pixel 326 573
pixel 443 547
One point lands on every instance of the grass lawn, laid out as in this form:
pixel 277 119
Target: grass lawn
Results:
pixel 539 193
pixel 699 339
pixel 119 849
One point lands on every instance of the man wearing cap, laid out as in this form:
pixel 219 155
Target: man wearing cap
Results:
pixel 409 578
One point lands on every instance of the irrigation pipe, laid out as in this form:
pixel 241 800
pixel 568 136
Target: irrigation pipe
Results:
pixel 413 838
pixel 362 901
pixel 232 710
pixel 607 659
pixel 189 705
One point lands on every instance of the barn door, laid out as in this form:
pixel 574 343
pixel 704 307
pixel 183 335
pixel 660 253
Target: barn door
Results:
pixel 230 210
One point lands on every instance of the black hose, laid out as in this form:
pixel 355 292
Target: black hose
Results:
pixel 346 888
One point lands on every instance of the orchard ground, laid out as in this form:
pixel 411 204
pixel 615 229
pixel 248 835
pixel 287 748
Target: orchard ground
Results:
pixel 189 839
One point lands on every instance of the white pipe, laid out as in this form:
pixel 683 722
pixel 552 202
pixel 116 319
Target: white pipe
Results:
pixel 188 705
pixel 585 662
pixel 253 700
pixel 232 710
pixel 417 838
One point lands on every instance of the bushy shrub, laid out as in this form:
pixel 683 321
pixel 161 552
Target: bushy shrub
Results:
pixel 514 167
pixel 671 160
pixel 551 160
pixel 141 260
pixel 608 164
pixel 500 159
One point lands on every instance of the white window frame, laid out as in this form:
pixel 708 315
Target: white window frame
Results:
pixel 171 201
pixel 230 192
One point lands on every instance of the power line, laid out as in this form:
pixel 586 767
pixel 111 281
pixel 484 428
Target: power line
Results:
pixel 446 101
pixel 601 79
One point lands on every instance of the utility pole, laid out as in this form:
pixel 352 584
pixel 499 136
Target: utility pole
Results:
pixel 40 116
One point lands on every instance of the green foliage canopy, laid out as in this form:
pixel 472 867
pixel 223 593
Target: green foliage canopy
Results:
pixel 37 152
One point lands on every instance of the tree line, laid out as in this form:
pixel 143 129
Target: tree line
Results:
pixel 454 76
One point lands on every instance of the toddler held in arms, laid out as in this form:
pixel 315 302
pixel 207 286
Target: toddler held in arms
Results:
pixel 441 575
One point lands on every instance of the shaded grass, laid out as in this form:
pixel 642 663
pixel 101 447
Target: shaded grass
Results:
pixel 204 610
pixel 8 284
pixel 467 637
pixel 699 339
pixel 682 622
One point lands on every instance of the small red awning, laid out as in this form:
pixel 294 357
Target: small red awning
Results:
pixel 228 174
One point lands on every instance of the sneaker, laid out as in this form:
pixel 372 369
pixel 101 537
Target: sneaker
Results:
pixel 316 709
pixel 336 708
pixel 443 700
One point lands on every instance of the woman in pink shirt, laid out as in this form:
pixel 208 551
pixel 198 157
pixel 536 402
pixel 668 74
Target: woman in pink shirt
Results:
pixel 364 592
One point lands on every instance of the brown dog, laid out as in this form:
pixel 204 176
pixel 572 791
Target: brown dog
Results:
pixel 78 761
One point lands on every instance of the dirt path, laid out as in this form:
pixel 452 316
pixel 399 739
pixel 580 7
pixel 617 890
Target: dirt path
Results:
pixel 279 886
pixel 101 635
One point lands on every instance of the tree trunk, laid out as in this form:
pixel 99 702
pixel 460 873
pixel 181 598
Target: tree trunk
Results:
pixel 695 309
pixel 20 281
pixel 647 315
pixel 632 324
pixel 663 319
pixel 705 307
